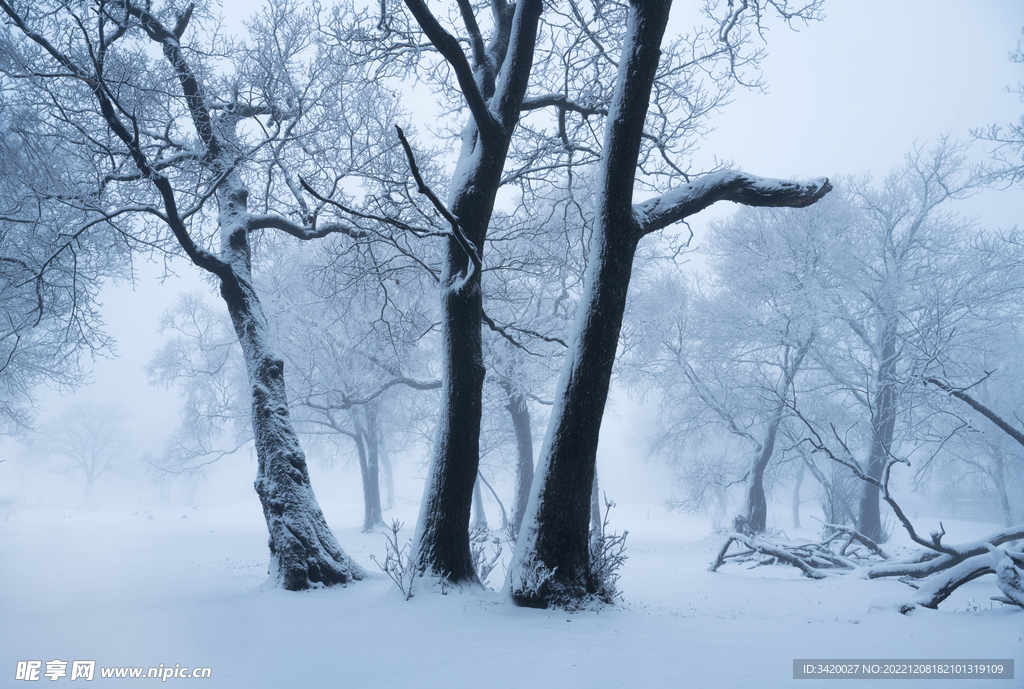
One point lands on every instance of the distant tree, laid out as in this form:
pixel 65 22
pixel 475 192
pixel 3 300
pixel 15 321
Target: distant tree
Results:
pixel 729 356
pixel 919 294
pixel 88 441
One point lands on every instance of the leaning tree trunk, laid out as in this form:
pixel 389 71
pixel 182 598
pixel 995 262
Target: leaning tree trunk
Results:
pixel 551 563
pixel 754 520
pixel 303 551
pixel 883 424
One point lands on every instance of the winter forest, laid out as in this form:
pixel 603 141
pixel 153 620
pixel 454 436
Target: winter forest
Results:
pixel 454 343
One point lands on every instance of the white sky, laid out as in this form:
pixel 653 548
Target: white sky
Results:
pixel 848 95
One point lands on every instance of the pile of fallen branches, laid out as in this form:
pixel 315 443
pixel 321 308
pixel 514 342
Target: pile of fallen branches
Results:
pixel 935 570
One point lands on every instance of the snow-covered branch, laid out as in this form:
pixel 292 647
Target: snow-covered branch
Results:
pixel 727 185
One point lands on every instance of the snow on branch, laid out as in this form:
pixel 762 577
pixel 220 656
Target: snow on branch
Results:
pixel 961 394
pixel 727 185
pixel 303 231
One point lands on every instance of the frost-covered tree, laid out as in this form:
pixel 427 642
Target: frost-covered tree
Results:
pixel 731 357
pixel 203 142
pixel 539 84
pixel 551 564
pixel 56 243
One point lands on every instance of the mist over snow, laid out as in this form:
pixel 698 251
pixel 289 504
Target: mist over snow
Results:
pixel 809 339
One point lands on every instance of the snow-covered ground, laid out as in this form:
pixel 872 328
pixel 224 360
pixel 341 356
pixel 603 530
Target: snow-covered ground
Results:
pixel 177 585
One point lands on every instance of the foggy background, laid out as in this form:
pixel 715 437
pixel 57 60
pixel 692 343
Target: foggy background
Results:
pixel 847 96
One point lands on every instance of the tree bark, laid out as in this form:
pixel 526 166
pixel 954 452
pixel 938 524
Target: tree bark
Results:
pixel 303 551
pixel 551 563
pixel 441 545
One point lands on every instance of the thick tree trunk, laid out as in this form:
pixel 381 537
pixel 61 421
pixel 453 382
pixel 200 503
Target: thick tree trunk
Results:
pixel 520 414
pixel 303 551
pixel 441 545
pixel 551 563
pixel 883 424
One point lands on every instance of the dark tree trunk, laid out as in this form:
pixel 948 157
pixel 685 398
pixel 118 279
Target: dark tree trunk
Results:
pixel 441 546
pixel 520 414
pixel 883 424
pixel 551 564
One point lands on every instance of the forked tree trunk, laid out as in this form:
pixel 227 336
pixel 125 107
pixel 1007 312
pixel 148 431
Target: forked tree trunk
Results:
pixel 441 544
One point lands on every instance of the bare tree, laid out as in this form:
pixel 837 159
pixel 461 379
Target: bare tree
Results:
pixel 551 565
pixel 87 441
pixel 86 71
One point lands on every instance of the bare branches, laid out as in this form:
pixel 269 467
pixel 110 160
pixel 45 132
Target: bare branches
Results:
pixel 961 394
pixel 457 232
pixel 490 128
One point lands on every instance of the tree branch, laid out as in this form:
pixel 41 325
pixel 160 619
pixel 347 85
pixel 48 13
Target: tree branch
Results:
pixel 446 44
pixel 978 407
pixel 727 185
